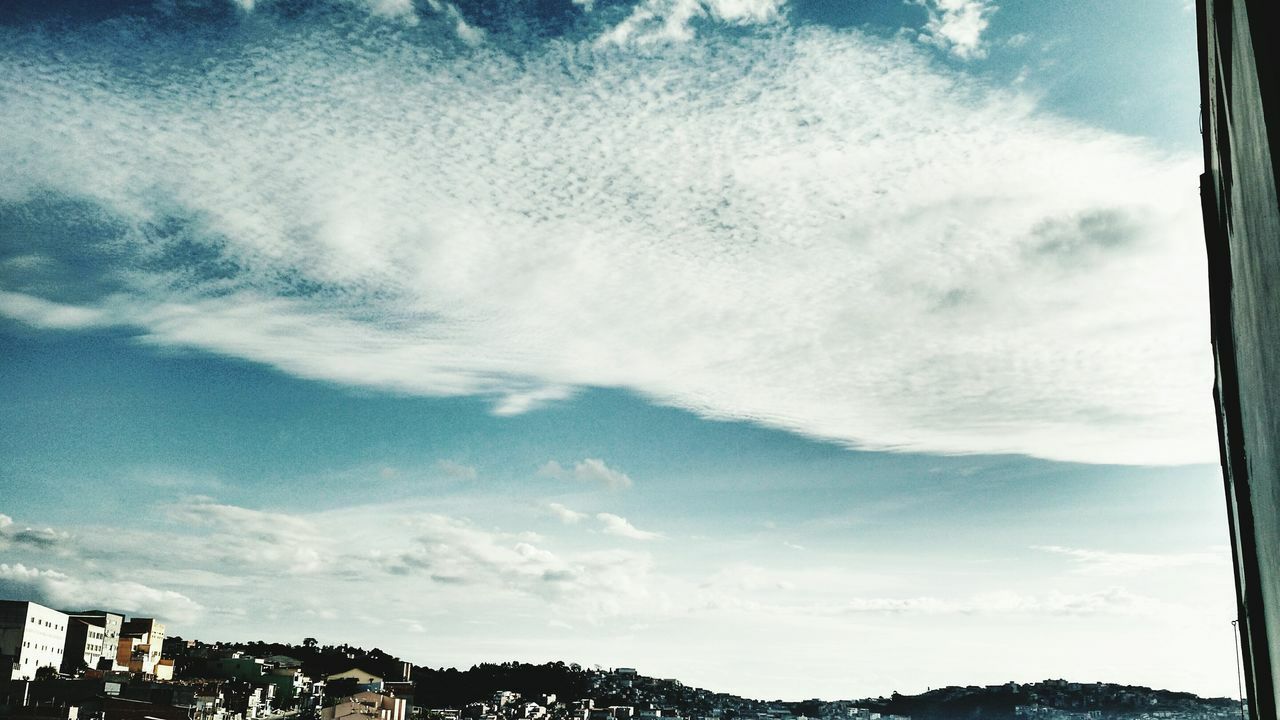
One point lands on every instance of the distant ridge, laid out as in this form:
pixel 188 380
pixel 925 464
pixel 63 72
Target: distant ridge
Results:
pixel 1053 699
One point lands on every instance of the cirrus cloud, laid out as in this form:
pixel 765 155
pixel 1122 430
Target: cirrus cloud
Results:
pixel 814 230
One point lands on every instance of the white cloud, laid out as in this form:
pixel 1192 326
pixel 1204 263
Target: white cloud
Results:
pixel 1106 562
pixel 401 10
pixel 39 539
pixel 466 32
pixel 60 590
pixel 1017 40
pixel 43 313
pixel 395 9
pixel 620 526
pixel 761 592
pixel 516 402
pixel 280 563
pixel 456 553
pixel 254 541
pixel 744 577
pixel 844 241
pixel 957 26
pixel 470 585
pixel 1109 601
pixel 564 514
pixel 457 470
pixel 669 20
pixel 590 470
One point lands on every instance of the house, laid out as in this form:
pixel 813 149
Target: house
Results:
pixel 364 680
pixel 366 706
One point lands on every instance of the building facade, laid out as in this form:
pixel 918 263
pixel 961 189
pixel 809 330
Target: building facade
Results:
pixel 83 648
pixel 1240 118
pixel 110 624
pixel 141 645
pixel 32 636
pixel 366 706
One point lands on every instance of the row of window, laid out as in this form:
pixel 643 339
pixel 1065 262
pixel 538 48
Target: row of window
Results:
pixel 41 647
pixel 46 623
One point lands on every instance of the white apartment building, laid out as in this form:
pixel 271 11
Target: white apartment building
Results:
pixel 32 636
pixel 83 645
pixel 109 624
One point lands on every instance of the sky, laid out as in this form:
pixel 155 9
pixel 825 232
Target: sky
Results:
pixel 790 348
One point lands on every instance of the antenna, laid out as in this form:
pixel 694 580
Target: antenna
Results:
pixel 1235 634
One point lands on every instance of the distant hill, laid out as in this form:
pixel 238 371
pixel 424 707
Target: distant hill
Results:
pixel 1046 700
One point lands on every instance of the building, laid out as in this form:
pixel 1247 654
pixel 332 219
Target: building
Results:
pixel 110 624
pixel 293 688
pixel 366 706
pixel 141 645
pixel 238 666
pixel 83 647
pixel 32 636
pixel 1240 119
pixel 363 679
pixel 248 700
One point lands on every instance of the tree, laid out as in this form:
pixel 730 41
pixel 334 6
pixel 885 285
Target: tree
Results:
pixel 309 643
pixel 48 672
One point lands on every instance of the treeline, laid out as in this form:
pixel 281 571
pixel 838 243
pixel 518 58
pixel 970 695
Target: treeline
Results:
pixel 450 687
pixel 444 687
pixel 999 703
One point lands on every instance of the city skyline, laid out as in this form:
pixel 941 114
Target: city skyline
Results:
pixel 790 348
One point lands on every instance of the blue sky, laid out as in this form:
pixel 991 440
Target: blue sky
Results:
pixel 788 348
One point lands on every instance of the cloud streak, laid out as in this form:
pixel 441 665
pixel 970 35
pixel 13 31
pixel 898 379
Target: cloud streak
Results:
pixel 1113 563
pixel 591 470
pixel 813 230
pixel 617 525
pixel 565 515
pixel 457 470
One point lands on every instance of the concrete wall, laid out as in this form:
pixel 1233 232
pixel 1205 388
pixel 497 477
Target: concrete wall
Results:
pixel 1241 124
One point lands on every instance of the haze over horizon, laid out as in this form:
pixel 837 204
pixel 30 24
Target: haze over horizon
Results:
pixel 790 348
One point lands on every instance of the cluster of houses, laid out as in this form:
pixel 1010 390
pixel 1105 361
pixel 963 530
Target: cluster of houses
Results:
pixel 34 637
pixel 637 697
pixel 100 665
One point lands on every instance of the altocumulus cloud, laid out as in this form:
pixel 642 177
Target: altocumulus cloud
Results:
pixel 814 230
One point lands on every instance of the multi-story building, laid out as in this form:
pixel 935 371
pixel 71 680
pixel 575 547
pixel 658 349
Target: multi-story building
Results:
pixel 109 623
pixel 32 636
pixel 83 646
pixel 141 645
